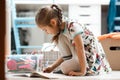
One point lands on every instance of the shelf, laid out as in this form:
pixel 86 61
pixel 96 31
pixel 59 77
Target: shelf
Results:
pixel 117 27
pixel 117 3
pixel 33 1
pixel 26 26
pixel 25 19
pixel 30 46
pixel 25 22
pixel 117 18
pixel 85 2
pixel 100 2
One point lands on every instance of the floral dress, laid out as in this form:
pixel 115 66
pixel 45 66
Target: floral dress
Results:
pixel 96 60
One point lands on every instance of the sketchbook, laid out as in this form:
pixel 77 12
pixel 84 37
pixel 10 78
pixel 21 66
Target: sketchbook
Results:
pixel 36 75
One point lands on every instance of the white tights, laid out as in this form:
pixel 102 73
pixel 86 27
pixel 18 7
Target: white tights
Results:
pixel 70 65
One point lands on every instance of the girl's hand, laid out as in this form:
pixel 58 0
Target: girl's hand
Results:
pixel 48 70
pixel 72 73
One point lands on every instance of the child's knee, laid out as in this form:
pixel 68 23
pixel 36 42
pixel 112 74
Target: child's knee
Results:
pixel 69 65
pixel 64 68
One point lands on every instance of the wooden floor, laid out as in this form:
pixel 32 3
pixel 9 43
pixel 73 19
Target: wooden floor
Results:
pixel 114 75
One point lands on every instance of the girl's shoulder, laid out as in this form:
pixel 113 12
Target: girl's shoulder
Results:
pixel 72 29
pixel 73 24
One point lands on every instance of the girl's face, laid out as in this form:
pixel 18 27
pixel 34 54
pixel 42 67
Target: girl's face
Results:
pixel 53 29
pixel 49 30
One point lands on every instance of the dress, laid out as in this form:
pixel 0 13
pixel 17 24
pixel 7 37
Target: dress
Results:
pixel 96 60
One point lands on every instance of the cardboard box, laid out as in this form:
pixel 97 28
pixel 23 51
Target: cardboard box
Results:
pixel 112 50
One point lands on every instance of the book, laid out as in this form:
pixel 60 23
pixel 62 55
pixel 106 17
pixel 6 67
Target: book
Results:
pixel 36 75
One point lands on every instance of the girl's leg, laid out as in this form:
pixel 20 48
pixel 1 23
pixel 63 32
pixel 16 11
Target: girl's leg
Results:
pixel 70 65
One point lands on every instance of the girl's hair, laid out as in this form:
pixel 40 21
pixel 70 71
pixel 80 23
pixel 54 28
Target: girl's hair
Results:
pixel 44 16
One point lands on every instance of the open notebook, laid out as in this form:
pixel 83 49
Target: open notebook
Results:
pixel 36 75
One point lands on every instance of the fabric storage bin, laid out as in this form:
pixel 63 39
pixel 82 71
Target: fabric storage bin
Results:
pixel 112 50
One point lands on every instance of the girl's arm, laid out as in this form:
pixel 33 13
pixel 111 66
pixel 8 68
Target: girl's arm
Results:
pixel 53 66
pixel 57 62
pixel 81 56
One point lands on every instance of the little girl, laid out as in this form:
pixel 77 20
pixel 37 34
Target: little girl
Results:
pixel 81 54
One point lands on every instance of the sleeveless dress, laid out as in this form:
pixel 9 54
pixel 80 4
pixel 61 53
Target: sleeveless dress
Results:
pixel 96 59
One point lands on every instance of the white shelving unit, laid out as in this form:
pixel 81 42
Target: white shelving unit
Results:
pixel 88 15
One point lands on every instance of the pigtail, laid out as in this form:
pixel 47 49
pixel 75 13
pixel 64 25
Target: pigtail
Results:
pixel 59 11
pixel 59 22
